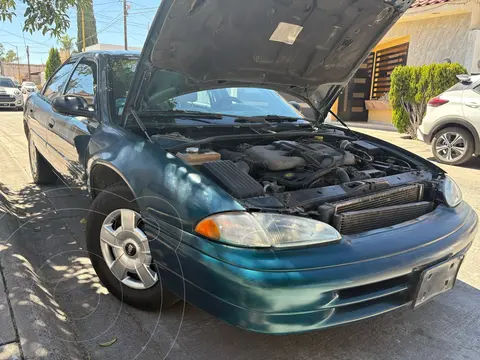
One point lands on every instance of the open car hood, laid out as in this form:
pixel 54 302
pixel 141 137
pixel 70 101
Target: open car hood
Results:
pixel 309 48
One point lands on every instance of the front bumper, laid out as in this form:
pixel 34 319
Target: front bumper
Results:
pixel 271 292
pixel 13 103
pixel 422 136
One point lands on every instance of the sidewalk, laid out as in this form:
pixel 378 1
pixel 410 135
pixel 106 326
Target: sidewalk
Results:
pixel 30 318
pixel 9 341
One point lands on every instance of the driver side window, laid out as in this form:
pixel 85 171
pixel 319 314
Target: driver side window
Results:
pixel 57 82
pixel 83 83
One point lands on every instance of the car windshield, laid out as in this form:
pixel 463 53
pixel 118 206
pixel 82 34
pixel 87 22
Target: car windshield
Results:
pixel 6 83
pixel 234 101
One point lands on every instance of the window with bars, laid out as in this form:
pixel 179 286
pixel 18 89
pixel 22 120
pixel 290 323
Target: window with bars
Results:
pixel 385 61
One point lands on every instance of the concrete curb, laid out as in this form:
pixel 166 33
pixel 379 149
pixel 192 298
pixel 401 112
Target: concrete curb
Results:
pixel 37 318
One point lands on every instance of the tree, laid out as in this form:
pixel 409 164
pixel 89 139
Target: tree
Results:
pixel 49 17
pixel 90 25
pixel 66 42
pixel 10 57
pixel 53 62
pixel 413 86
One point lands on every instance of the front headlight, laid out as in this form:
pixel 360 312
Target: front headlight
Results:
pixel 265 230
pixel 451 192
pixel 17 92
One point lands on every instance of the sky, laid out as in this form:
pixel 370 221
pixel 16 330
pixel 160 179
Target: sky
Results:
pixel 109 17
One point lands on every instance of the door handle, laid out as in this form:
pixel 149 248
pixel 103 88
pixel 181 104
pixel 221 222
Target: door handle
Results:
pixel 472 105
pixel 51 122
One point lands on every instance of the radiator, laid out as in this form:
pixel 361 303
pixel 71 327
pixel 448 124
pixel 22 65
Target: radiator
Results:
pixel 353 222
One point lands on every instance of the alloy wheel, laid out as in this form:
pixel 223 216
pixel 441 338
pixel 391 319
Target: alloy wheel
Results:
pixel 126 249
pixel 450 146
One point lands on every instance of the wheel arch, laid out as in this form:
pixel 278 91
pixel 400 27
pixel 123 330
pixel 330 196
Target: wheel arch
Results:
pixel 461 123
pixel 102 175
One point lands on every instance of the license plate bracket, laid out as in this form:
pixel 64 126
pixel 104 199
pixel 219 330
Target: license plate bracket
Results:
pixel 437 279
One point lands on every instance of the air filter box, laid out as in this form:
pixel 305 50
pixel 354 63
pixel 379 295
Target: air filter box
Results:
pixel 236 182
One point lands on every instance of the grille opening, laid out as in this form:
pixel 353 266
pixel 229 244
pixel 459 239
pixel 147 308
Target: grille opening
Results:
pixel 381 209
pixel 371 288
pixel 354 222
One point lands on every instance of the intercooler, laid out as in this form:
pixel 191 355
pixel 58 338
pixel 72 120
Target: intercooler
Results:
pixel 385 208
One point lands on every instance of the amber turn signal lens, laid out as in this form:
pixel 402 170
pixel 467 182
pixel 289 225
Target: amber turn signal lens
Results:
pixel 208 228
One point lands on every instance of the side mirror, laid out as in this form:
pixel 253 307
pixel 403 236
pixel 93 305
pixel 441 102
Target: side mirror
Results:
pixel 71 105
pixel 296 105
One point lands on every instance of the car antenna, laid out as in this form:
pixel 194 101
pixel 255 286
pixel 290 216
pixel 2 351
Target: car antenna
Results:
pixel 141 124
pixel 342 122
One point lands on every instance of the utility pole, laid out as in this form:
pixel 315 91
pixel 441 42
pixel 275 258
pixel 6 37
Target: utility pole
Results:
pixel 125 23
pixel 28 62
pixel 83 31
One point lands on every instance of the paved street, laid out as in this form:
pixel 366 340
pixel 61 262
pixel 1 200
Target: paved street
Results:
pixel 59 307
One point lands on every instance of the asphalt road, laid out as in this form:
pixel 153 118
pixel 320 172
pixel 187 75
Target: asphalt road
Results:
pixel 50 243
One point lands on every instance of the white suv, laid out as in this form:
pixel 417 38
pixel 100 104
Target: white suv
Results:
pixel 452 122
pixel 10 96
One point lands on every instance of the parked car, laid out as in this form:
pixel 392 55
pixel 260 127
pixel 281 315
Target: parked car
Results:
pixel 203 176
pixel 452 122
pixel 17 84
pixel 28 87
pixel 10 96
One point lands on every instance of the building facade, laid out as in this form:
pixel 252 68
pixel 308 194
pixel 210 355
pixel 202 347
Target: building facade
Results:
pixel 431 31
pixel 19 72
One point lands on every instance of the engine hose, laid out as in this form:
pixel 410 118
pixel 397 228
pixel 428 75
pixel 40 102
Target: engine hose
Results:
pixel 339 173
pixel 316 175
pixel 342 175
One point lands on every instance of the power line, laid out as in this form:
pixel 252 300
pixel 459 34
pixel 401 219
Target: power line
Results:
pixel 13 34
pixel 107 3
pixel 117 18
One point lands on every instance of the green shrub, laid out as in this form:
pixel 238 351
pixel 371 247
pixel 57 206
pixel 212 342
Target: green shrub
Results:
pixel 53 62
pixel 413 86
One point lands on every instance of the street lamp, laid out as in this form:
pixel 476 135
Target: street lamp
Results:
pixel 18 59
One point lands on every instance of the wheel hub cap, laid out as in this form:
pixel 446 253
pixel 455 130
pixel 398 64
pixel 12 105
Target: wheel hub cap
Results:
pixel 130 249
pixel 126 250
pixel 450 146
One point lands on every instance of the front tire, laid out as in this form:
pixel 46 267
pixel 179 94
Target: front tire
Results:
pixel 120 253
pixel 453 146
pixel 41 170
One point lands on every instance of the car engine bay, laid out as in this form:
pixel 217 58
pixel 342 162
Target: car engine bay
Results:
pixel 352 184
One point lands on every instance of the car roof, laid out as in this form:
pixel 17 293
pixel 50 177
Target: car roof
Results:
pixel 106 53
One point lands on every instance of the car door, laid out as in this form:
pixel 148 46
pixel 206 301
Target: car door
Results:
pixel 38 109
pixel 471 105
pixel 68 136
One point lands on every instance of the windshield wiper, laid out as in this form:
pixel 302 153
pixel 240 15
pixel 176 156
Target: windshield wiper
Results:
pixel 282 118
pixel 182 114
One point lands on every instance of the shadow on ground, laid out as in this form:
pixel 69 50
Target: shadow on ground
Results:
pixel 66 303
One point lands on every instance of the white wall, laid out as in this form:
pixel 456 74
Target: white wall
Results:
pixel 433 40
pixel 110 47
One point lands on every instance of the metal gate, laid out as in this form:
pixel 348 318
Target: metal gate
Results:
pixel 385 61
pixel 351 103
